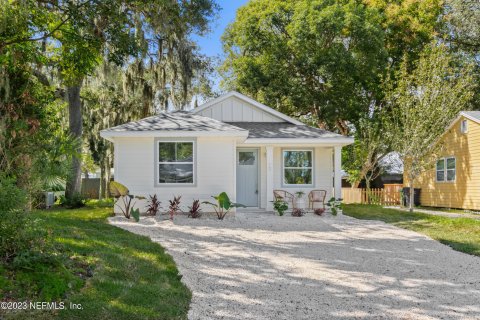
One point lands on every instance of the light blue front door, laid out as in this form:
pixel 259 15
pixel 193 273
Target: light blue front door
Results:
pixel 247 177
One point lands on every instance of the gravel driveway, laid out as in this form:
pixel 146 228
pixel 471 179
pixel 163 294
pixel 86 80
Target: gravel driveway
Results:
pixel 261 266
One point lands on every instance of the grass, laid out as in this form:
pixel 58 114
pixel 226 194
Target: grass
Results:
pixel 461 234
pixel 450 210
pixel 128 276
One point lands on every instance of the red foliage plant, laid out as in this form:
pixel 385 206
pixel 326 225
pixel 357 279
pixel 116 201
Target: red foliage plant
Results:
pixel 153 205
pixel 174 206
pixel 195 211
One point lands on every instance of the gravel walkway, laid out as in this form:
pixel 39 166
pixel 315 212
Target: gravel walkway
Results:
pixel 261 266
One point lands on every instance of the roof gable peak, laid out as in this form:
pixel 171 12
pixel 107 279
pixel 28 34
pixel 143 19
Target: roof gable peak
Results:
pixel 249 100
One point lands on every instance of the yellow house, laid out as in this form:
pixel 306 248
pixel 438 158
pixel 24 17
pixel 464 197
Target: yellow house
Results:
pixel 454 182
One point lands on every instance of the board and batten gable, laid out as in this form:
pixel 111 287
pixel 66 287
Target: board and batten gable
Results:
pixel 233 109
pixel 464 192
pixel 214 173
pixel 236 107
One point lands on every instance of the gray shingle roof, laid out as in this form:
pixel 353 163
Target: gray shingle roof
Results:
pixel 175 121
pixel 283 130
pixel 473 114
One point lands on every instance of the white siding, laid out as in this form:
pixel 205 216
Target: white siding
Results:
pixel 134 167
pixel 215 166
pixel 235 110
pixel 323 172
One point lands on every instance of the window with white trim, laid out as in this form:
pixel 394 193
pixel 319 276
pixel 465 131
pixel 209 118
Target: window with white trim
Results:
pixel 175 162
pixel 297 167
pixel 446 169
pixel 464 126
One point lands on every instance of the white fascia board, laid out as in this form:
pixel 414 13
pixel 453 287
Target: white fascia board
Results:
pixel 460 115
pixel 243 97
pixel 469 117
pixel 109 135
pixel 343 141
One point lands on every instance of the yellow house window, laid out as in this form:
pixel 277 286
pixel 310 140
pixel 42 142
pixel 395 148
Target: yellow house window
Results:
pixel 446 170
pixel 464 126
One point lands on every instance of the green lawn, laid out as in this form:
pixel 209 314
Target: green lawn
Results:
pixel 462 234
pixel 126 276
pixel 449 210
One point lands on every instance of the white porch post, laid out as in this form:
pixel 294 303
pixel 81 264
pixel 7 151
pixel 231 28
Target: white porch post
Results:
pixel 337 179
pixel 269 177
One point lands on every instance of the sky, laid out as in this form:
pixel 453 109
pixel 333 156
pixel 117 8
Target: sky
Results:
pixel 211 44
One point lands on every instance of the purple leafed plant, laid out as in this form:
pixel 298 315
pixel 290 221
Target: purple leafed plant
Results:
pixel 195 211
pixel 174 206
pixel 297 212
pixel 319 211
pixel 153 205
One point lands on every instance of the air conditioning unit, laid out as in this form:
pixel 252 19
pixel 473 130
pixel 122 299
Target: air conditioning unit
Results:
pixel 49 199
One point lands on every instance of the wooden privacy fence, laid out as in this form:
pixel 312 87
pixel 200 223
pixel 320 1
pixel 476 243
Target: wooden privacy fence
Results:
pixel 389 195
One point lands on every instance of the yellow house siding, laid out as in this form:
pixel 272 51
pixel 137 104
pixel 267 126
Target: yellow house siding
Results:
pixel 464 192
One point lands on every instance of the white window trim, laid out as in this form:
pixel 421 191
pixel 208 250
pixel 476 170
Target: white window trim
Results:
pixel 283 168
pixel 157 162
pixel 464 126
pixel 445 170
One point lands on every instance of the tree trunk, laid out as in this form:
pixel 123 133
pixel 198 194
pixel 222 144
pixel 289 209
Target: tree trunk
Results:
pixel 367 190
pixel 102 180
pixel 410 205
pixel 74 181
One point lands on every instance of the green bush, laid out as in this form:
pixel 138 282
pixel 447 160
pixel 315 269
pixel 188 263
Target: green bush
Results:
pixel 18 235
pixel 76 201
pixel 11 196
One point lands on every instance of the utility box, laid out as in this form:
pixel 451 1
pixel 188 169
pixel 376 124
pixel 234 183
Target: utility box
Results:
pixel 49 199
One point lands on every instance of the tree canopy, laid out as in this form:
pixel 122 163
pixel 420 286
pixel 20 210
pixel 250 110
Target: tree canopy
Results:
pixel 62 43
pixel 323 59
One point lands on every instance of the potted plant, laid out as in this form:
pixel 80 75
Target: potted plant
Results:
pixel 335 206
pixel 300 200
pixel 280 206
pixel 297 212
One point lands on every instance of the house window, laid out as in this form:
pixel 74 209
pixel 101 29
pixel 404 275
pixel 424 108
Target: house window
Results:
pixel 297 167
pixel 451 169
pixel 175 162
pixel 464 126
pixel 446 169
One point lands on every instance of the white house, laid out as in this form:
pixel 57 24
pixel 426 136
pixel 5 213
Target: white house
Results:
pixel 233 144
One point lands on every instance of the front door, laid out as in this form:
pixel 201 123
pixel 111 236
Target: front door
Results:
pixel 247 177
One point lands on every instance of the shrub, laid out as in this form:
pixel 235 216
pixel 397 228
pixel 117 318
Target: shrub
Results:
pixel 319 211
pixel 297 212
pixel 11 196
pixel 195 211
pixel 76 201
pixel 18 235
pixel 174 206
pixel 153 205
